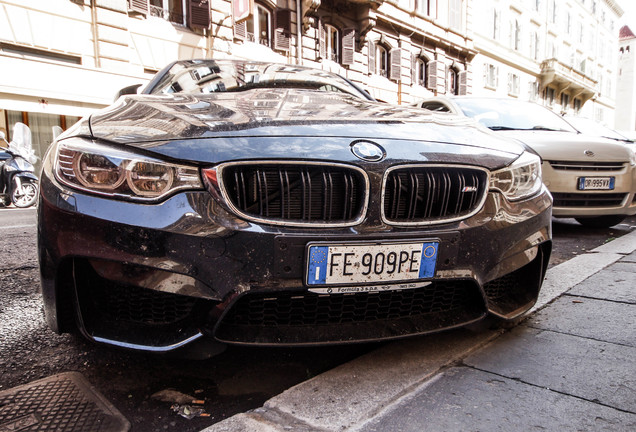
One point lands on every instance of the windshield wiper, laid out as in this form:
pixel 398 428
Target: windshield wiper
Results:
pixel 545 128
pixel 503 128
pixel 534 128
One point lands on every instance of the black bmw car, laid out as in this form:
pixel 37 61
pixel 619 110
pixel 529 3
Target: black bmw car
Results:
pixel 251 203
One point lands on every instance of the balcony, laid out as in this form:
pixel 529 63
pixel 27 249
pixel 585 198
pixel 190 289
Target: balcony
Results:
pixel 564 77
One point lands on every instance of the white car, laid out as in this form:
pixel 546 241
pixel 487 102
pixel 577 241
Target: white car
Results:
pixel 592 179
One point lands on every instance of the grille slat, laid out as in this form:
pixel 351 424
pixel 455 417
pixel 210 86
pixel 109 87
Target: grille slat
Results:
pixel 432 194
pixel 296 193
pixel 588 199
pixel 587 166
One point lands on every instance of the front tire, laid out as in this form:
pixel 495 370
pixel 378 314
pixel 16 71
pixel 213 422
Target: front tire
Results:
pixel 24 196
pixel 601 221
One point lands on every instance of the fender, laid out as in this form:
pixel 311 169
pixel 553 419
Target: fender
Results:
pixel 24 176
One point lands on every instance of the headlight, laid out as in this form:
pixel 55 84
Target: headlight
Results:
pixel 103 170
pixel 519 180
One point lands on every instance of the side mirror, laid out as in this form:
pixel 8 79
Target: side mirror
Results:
pixel 132 89
pixel 57 131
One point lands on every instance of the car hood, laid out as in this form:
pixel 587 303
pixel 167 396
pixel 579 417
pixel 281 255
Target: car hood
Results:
pixel 216 126
pixel 568 146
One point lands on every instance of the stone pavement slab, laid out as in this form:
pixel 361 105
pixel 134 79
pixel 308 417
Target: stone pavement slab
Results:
pixel 343 397
pixel 588 369
pixel 617 283
pixel 602 320
pixel 630 258
pixel 465 399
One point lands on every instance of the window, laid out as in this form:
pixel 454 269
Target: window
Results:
pixel 259 26
pixel 565 102
pixel 513 84
pixel 171 10
pixel 452 81
pixel 425 7
pixel 381 61
pixel 535 5
pixel 534 45
pixel 495 24
pixel 577 105
pixel 549 96
pixel 332 43
pixel 533 91
pixel 41 126
pixel 491 73
pixel 193 13
pixel 516 36
pixel 552 11
pixel 385 61
pixel 419 71
pixel 272 29
pixel 455 14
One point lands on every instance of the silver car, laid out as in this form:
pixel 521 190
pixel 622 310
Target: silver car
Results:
pixel 592 179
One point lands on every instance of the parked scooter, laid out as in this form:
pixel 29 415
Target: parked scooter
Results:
pixel 18 183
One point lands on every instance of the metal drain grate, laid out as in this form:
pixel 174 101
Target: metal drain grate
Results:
pixel 65 402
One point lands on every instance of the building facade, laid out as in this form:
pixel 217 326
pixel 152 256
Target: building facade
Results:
pixel 556 52
pixel 62 59
pixel 626 83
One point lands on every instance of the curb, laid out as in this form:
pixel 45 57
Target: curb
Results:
pixel 352 394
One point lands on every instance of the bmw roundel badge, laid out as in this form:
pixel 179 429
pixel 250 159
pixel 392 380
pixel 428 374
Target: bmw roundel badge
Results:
pixel 368 151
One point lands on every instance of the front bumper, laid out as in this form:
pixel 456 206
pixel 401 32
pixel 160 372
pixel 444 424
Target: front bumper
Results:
pixel 157 277
pixel 569 201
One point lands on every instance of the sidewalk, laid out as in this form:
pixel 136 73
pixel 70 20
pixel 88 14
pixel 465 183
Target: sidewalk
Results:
pixel 569 366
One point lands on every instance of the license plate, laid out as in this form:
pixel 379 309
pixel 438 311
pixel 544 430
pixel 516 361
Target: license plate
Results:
pixel 365 263
pixel 596 183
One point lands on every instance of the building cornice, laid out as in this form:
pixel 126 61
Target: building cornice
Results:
pixel 615 7
pixel 438 40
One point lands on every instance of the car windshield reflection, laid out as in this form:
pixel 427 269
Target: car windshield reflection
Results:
pixel 498 114
pixel 212 76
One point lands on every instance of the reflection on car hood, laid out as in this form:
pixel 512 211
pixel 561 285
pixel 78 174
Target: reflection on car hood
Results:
pixel 163 123
pixel 567 146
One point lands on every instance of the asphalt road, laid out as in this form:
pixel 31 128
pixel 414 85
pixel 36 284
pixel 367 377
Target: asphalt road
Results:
pixel 235 381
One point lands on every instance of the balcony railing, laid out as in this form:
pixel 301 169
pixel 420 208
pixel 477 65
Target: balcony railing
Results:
pixel 167 14
pixel 553 70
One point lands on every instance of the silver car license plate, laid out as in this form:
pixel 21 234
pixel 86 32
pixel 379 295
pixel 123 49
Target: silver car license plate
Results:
pixel 596 183
pixel 369 263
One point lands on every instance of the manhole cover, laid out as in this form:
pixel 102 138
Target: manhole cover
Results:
pixel 65 402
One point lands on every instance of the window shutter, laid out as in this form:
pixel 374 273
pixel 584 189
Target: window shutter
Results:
pixel 413 69
pixel 462 78
pixel 395 61
pixel 432 75
pixel 371 57
pixel 282 32
pixel 140 6
pixel 322 40
pixel 240 30
pixel 348 45
pixel 199 14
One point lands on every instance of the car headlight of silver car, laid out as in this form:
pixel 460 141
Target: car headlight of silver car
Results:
pixel 519 180
pixel 104 170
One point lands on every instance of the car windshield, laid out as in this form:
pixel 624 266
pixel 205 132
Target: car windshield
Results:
pixel 501 114
pixel 212 76
pixel 590 127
